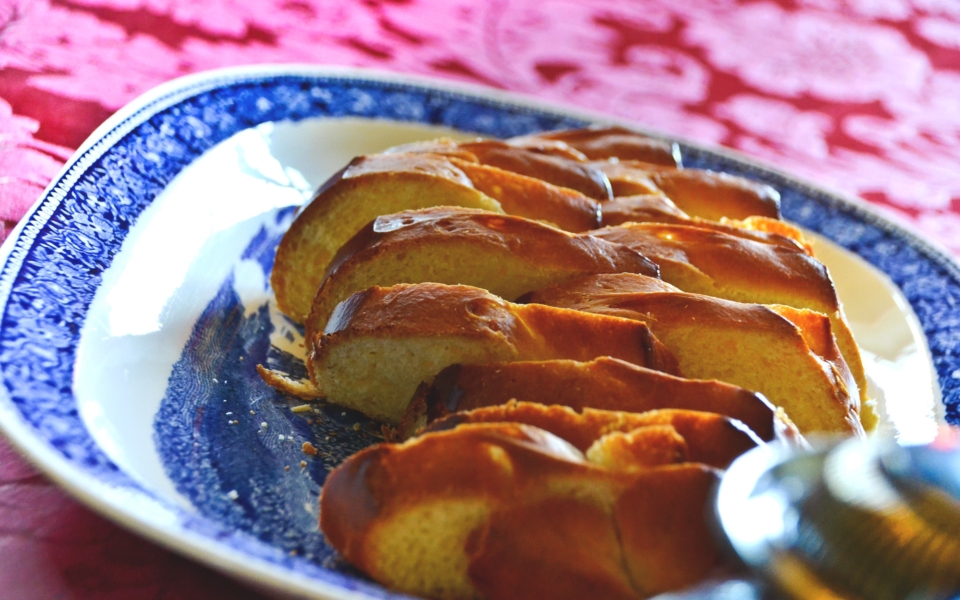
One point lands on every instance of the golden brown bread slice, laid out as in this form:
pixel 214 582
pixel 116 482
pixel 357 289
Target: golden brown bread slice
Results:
pixel 608 141
pixel 561 159
pixel 368 187
pixel 553 162
pixel 789 355
pixel 558 170
pixel 438 516
pixel 625 440
pixel 603 383
pixel 382 184
pixel 729 263
pixel 381 343
pixel 764 269
pixel 533 198
pixel 706 194
pixel 505 255
pixel 652 207
pixel 537 199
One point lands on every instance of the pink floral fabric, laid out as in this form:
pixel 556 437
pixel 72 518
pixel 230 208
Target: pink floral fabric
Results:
pixel 862 96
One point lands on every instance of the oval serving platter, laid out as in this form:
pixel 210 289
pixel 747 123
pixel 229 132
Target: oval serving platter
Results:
pixel 136 306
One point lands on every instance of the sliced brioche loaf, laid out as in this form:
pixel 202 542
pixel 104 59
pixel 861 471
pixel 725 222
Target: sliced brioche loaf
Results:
pixel 368 187
pixel 533 198
pixel 625 440
pixel 735 267
pixel 482 511
pixel 603 383
pixel 558 170
pixel 706 194
pixel 403 513
pixel 789 355
pixel 760 268
pixel 505 255
pixel 381 343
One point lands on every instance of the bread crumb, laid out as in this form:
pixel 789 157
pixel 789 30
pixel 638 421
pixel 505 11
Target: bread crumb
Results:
pixel 281 437
pixel 252 413
pixel 233 495
pixel 302 408
pixel 263 425
pixel 303 464
pixel 309 448
pixel 286 468
pixel 356 426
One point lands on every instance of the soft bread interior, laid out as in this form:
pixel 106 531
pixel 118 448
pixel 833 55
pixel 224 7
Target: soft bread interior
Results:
pixel 505 255
pixel 419 549
pixel 748 345
pixel 350 201
pixel 720 264
pixel 510 511
pixel 382 343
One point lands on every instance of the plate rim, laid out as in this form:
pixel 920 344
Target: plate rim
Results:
pixel 95 492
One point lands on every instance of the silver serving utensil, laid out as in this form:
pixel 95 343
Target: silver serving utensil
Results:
pixel 852 519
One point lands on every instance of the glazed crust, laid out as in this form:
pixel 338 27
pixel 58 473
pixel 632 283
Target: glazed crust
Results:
pixel 789 355
pixel 482 481
pixel 368 187
pixel 774 270
pixel 706 194
pixel 610 141
pixel 603 383
pixel 564 172
pixel 710 438
pixel 765 269
pixel 533 198
pixel 505 255
pixel 381 343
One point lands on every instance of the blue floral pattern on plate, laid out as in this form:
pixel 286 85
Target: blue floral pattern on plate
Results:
pixel 55 266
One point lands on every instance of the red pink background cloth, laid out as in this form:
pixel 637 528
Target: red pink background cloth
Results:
pixel 861 96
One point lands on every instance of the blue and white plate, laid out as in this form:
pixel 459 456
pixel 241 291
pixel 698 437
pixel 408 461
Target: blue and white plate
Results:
pixel 136 306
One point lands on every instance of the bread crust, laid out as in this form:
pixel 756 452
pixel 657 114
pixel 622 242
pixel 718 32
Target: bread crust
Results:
pixel 710 438
pixel 797 365
pixel 367 187
pixel 603 383
pixel 718 263
pixel 364 359
pixel 564 172
pixel 505 255
pixel 482 479
pixel 765 268
pixel 533 198
pixel 611 141
pixel 700 193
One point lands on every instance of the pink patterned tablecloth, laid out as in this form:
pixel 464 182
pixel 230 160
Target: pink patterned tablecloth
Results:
pixel 862 96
